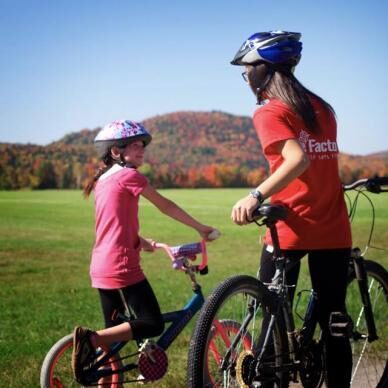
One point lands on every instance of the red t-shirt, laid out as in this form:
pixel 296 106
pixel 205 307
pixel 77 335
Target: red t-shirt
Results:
pixel 116 255
pixel 317 217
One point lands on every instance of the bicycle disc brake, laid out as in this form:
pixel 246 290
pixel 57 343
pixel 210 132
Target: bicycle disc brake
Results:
pixel 153 362
pixel 311 372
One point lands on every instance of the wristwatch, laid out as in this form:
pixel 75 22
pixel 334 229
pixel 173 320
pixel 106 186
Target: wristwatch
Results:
pixel 256 194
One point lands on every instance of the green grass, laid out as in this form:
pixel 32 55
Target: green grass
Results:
pixel 45 243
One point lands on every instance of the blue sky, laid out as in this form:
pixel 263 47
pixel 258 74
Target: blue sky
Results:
pixel 73 64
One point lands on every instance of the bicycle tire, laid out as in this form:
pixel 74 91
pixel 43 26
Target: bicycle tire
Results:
pixel 217 325
pixel 370 367
pixel 56 369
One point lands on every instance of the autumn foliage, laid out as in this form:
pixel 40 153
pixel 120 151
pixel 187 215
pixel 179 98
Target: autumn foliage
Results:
pixel 189 149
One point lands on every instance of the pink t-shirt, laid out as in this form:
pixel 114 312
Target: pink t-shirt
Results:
pixel 116 255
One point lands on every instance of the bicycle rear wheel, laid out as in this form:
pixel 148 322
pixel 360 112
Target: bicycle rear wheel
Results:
pixel 370 367
pixel 56 369
pixel 220 353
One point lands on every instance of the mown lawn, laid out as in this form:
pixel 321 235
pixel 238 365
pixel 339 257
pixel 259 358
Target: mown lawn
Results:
pixel 45 243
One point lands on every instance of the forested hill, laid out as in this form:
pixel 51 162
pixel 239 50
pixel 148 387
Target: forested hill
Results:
pixel 192 139
pixel 189 149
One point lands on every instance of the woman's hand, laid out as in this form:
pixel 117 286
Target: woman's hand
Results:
pixel 243 209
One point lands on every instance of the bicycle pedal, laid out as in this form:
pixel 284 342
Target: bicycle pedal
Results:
pixel 340 324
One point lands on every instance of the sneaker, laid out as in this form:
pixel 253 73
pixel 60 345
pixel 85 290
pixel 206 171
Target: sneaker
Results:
pixel 83 352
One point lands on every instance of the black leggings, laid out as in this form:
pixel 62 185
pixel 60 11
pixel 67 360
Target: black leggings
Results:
pixel 147 319
pixel 328 271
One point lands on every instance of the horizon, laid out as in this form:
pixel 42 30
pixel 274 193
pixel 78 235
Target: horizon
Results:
pixel 382 151
pixel 72 66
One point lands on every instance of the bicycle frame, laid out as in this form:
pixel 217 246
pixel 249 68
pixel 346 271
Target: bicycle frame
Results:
pixel 280 306
pixel 296 343
pixel 178 319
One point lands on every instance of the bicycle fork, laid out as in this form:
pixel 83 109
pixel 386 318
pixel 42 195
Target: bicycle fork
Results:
pixel 362 279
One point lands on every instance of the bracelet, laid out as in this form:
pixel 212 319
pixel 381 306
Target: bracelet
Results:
pixel 257 195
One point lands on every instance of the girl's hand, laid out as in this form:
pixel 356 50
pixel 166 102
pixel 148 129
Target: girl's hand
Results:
pixel 208 233
pixel 147 245
pixel 242 210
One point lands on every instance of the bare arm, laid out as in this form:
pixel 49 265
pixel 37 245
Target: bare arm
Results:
pixel 171 209
pixel 295 162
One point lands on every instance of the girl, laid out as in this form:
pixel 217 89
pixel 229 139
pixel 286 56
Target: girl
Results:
pixel 115 265
pixel 297 131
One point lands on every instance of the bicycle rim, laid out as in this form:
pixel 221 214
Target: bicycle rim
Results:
pixel 369 358
pixel 56 369
pixel 213 361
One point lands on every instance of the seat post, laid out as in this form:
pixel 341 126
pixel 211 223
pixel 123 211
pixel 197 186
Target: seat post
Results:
pixel 275 238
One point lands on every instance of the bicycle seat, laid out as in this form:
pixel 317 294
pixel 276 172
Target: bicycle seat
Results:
pixel 271 212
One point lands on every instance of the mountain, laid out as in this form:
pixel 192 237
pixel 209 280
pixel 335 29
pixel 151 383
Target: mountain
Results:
pixel 193 139
pixel 189 149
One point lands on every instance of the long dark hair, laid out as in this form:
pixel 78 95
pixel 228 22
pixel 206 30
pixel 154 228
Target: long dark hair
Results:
pixel 108 162
pixel 281 83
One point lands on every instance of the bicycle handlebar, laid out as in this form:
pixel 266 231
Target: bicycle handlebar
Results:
pixel 374 185
pixel 181 253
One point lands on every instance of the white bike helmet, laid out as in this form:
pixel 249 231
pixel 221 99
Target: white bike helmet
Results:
pixel 119 133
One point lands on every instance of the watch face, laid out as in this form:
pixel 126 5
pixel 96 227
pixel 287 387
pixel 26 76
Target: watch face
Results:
pixel 256 194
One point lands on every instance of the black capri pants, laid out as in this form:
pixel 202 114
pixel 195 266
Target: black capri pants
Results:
pixel 328 271
pixel 144 308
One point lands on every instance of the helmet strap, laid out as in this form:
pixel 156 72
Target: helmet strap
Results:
pixel 122 161
pixel 263 85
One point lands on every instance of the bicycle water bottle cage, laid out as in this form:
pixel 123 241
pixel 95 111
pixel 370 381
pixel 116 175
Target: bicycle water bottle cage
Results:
pixel 340 324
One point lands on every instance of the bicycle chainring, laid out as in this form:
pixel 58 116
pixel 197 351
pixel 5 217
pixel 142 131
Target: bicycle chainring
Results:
pixel 152 363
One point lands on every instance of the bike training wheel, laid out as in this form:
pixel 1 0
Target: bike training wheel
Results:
pixel 216 329
pixel 370 367
pixel 56 369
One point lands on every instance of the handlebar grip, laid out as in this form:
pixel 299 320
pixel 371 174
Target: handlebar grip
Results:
pixel 374 184
pixel 186 250
pixel 178 253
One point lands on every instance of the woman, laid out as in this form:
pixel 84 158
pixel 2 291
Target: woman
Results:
pixel 297 131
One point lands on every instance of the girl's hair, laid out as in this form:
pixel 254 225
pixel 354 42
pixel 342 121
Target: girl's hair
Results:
pixel 286 87
pixel 108 163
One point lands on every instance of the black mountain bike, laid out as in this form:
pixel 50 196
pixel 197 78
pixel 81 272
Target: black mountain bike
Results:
pixel 284 355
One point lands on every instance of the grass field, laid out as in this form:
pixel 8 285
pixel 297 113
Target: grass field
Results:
pixel 45 243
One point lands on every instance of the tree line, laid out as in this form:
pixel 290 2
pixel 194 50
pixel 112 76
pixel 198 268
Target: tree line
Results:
pixel 72 166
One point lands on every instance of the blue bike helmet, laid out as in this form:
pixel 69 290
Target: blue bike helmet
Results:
pixel 273 47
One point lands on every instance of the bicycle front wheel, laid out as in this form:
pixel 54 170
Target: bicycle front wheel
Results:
pixel 370 367
pixel 56 369
pixel 227 336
